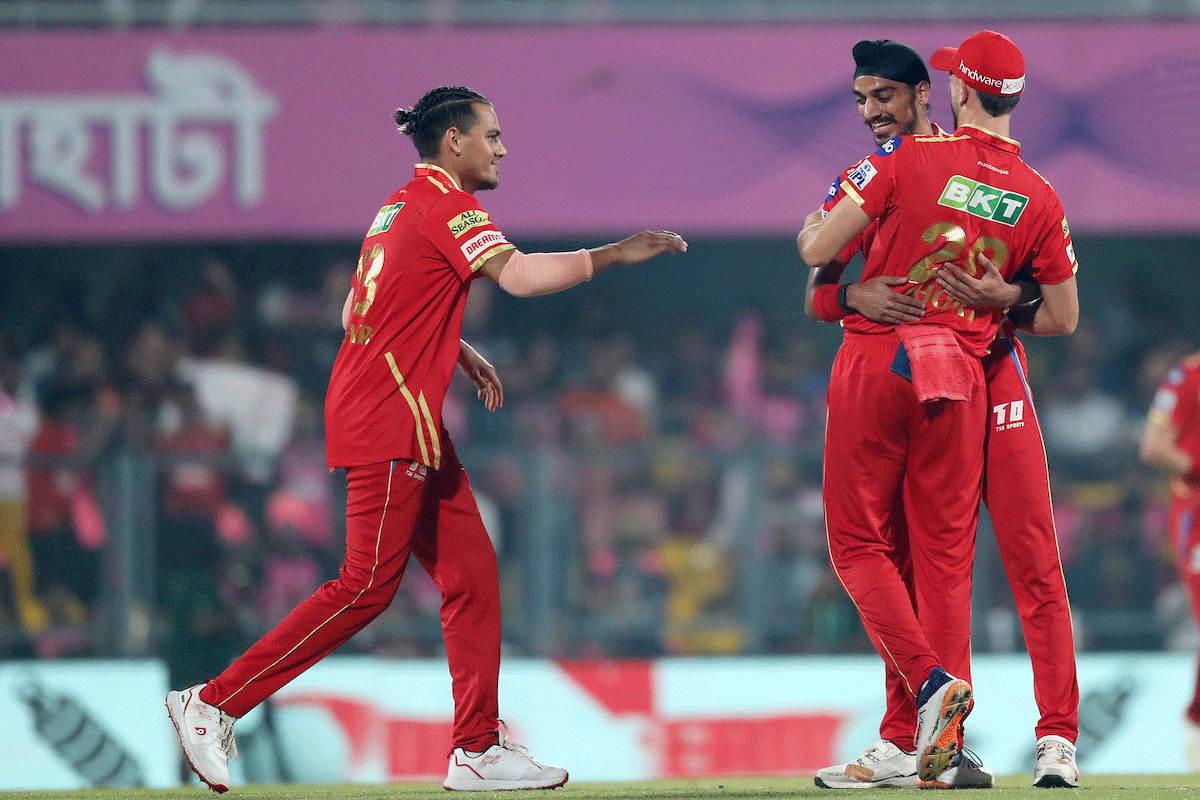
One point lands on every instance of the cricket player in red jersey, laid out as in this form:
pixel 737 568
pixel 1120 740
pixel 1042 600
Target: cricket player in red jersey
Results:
pixel 891 86
pixel 1172 441
pixel 907 399
pixel 407 491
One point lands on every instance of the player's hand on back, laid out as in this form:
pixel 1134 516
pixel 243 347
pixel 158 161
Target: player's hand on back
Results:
pixel 990 290
pixel 878 301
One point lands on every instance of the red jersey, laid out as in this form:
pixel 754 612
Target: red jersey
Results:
pixel 863 240
pixel 941 199
pixel 1177 402
pixel 417 262
pixel 51 487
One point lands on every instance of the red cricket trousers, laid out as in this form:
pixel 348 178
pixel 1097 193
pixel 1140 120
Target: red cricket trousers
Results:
pixel 1016 490
pixel 1185 538
pixel 393 510
pixel 885 450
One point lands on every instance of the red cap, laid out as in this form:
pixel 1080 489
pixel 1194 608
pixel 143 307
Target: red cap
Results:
pixel 986 61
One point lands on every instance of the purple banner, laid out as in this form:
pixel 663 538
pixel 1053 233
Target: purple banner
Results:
pixel 149 136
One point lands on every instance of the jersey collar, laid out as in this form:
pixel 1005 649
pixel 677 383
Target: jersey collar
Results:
pixel 993 139
pixel 438 174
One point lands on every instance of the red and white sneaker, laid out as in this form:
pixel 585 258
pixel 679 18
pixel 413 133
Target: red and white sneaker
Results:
pixel 503 766
pixel 206 733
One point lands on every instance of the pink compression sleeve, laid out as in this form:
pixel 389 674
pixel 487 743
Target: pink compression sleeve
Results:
pixel 529 274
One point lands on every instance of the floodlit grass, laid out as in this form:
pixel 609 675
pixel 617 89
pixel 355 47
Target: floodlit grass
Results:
pixel 1009 787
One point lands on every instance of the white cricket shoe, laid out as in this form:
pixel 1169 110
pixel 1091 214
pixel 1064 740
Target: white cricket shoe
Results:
pixel 881 764
pixel 964 773
pixel 1055 767
pixel 942 704
pixel 503 766
pixel 206 733
pixel 1191 743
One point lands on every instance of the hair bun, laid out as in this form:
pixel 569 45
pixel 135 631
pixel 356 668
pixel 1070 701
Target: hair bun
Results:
pixel 406 119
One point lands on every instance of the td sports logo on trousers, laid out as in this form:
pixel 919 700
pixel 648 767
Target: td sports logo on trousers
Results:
pixel 980 200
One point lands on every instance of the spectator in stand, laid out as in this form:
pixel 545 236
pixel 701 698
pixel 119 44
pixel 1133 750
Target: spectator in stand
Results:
pixel 151 387
pixel 79 411
pixel 690 379
pixel 535 383
pixel 304 499
pixel 614 402
pixel 202 632
pixel 758 385
pixel 1083 425
pixel 18 426
pixel 212 308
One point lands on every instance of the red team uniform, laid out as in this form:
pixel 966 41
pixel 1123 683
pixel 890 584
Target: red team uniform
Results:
pixel 1177 403
pixel 1016 491
pixel 908 404
pixel 407 492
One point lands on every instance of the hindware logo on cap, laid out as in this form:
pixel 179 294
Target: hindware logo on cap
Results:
pixel 987 61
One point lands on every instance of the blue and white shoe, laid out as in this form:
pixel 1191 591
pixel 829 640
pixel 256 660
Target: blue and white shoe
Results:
pixel 942 705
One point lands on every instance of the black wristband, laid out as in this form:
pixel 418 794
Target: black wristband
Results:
pixel 1022 315
pixel 842 304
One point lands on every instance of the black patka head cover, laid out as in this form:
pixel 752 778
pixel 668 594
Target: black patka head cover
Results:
pixel 890 60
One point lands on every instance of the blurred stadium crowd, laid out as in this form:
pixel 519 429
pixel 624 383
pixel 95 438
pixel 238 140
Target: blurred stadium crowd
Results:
pixel 646 495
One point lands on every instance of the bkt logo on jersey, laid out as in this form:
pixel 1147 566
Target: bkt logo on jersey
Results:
pixel 983 201
pixel 889 147
pixel 384 219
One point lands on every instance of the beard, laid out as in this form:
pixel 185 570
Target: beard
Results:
pixel 488 181
pixel 908 128
pixel 911 127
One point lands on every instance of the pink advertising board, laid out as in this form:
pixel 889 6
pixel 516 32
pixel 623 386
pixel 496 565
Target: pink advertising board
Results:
pixel 708 130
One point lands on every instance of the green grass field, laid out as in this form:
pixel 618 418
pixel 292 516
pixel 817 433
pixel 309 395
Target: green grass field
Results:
pixel 1011 787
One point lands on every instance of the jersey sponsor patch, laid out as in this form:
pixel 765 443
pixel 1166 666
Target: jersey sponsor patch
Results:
pixel 983 201
pixel 468 220
pixel 889 147
pixel 861 175
pixel 384 219
pixel 488 239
